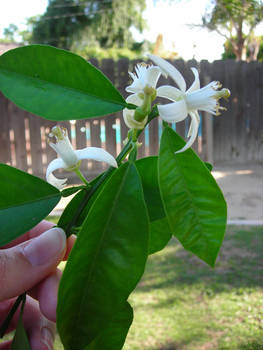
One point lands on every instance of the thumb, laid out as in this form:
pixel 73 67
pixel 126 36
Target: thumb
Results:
pixel 23 266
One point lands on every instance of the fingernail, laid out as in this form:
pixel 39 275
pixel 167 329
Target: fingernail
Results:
pixel 47 338
pixel 48 245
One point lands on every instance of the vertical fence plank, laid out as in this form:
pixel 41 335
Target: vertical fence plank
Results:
pixel 153 137
pixel 18 125
pixel 123 80
pixel 35 144
pixel 259 112
pixel 207 119
pixel 5 150
pixel 108 68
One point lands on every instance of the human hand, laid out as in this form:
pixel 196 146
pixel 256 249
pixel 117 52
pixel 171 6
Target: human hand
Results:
pixel 29 264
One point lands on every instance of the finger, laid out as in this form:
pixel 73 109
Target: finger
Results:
pixel 46 293
pixel 25 265
pixel 40 331
pixel 35 231
pixel 70 242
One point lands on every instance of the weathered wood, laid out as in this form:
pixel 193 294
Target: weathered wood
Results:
pixel 122 81
pixel 154 137
pixel 108 68
pixel 237 134
pixel 35 144
pixel 18 125
pixel 5 150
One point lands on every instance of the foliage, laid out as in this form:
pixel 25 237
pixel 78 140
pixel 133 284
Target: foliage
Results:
pixel 12 33
pixel 115 53
pixel 89 22
pixel 230 18
pixel 229 52
pixel 126 213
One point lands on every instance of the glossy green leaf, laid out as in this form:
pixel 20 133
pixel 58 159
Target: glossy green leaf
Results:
pixel 114 335
pixel 70 210
pixel 107 260
pixel 194 204
pixel 56 84
pixel 71 190
pixel 160 235
pixel 20 341
pixel 24 201
pixel 160 232
pixel 209 166
pixel 73 207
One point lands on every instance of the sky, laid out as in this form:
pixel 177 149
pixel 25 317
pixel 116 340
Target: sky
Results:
pixel 170 19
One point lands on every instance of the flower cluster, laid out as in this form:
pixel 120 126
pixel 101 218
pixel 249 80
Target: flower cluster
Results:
pixel 184 102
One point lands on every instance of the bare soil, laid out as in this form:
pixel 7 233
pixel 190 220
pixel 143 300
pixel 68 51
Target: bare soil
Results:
pixel 242 185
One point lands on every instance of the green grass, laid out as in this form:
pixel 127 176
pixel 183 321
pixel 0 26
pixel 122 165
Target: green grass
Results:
pixel 182 304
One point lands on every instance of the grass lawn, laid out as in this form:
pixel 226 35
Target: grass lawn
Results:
pixel 182 304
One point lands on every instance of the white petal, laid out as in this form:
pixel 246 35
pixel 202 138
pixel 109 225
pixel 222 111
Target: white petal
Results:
pixel 173 112
pixel 65 151
pixel 135 87
pixel 145 76
pixel 128 116
pixel 58 183
pixel 169 69
pixel 54 165
pixel 98 154
pixel 134 99
pixel 196 82
pixel 169 92
pixel 190 131
pixel 152 75
pixel 195 125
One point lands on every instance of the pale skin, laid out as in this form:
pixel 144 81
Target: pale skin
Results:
pixel 29 264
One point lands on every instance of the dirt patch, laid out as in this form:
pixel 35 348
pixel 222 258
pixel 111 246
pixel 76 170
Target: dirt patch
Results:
pixel 242 186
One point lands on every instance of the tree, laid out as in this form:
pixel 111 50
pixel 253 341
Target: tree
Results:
pixel 106 23
pixel 57 26
pixel 235 20
pixel 254 50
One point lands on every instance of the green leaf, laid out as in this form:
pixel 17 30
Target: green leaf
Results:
pixel 24 201
pixel 74 205
pixel 194 204
pixel 71 190
pixel 209 166
pixel 160 232
pixel 107 260
pixel 56 84
pixel 20 341
pixel 114 335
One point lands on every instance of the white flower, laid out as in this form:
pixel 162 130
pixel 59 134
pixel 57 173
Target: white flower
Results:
pixel 143 89
pixel 145 76
pixel 69 159
pixel 187 101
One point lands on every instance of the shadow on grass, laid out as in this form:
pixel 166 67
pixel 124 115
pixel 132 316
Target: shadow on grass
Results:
pixel 238 266
pixel 254 345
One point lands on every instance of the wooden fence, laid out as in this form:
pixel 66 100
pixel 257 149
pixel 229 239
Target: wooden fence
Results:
pixel 236 135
